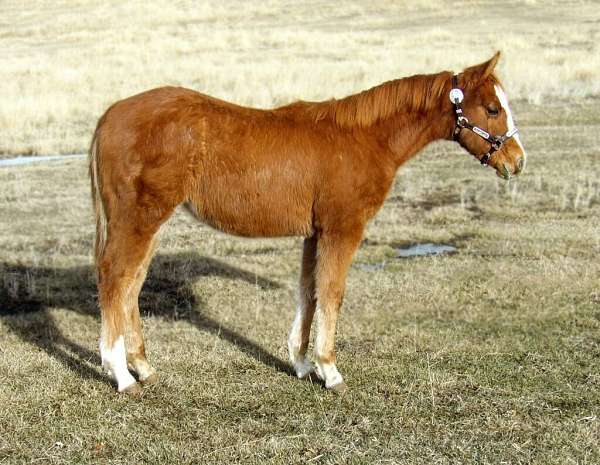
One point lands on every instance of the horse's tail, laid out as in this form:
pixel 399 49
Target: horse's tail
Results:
pixel 95 161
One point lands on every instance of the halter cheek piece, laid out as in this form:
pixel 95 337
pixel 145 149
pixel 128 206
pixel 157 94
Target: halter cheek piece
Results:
pixel 456 97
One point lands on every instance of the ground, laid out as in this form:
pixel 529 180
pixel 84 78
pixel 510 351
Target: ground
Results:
pixel 488 355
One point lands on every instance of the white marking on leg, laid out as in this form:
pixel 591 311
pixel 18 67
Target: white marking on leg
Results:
pixel 302 365
pixel 114 360
pixel 328 372
pixel 509 119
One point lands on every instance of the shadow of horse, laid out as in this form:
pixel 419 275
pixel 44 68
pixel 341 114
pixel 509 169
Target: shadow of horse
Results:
pixel 28 292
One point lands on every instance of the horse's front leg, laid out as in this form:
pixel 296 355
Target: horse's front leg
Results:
pixel 334 255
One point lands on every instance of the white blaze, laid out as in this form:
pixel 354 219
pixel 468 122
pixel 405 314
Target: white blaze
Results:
pixel 509 119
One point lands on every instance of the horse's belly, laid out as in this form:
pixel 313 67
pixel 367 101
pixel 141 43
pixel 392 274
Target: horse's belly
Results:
pixel 255 213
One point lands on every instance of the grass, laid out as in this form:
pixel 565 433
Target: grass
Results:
pixel 490 355
pixel 64 62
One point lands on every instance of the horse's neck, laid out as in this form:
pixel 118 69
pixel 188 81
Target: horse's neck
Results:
pixel 407 133
pixel 403 115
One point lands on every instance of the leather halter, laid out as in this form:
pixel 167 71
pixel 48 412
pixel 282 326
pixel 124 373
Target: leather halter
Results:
pixel 456 97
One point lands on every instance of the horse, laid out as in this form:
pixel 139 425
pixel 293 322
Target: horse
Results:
pixel 319 170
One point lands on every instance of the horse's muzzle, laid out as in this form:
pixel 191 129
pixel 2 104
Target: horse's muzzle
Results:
pixel 504 170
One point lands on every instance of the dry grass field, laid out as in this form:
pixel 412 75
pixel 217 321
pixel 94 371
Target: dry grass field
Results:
pixel 488 355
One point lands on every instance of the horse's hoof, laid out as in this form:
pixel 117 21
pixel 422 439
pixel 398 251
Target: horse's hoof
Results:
pixel 133 390
pixel 150 380
pixel 339 388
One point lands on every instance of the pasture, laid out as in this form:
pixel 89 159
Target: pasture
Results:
pixel 488 355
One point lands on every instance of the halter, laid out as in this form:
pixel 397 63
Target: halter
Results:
pixel 456 97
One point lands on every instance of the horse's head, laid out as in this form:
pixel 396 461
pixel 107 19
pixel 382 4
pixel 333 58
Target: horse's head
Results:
pixel 484 123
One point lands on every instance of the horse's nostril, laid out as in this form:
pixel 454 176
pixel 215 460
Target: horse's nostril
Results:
pixel 520 164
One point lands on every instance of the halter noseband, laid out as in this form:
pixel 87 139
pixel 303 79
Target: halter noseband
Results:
pixel 456 97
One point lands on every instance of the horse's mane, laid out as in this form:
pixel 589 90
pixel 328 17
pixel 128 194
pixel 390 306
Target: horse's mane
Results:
pixel 419 93
pixel 415 93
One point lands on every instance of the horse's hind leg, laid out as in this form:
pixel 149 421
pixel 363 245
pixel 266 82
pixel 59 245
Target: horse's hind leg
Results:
pixel 300 331
pixel 136 353
pixel 126 249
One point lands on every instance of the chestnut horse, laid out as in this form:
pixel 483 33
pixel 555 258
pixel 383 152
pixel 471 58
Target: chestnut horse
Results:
pixel 319 170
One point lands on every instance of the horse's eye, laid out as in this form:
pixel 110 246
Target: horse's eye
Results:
pixel 492 110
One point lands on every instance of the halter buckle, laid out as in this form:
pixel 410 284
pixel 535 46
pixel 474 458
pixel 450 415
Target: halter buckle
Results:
pixel 456 96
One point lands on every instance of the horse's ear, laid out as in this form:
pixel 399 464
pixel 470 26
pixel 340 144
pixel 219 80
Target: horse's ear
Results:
pixel 478 73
